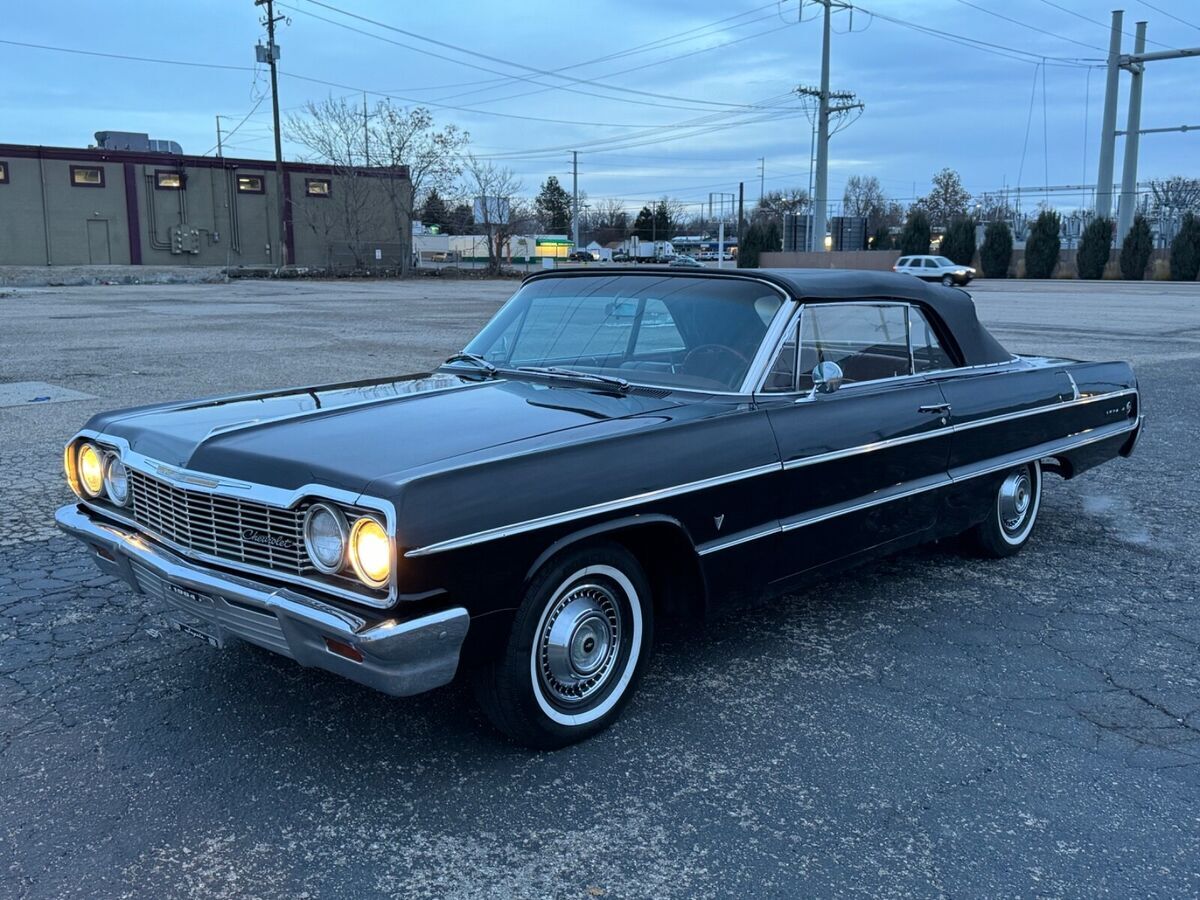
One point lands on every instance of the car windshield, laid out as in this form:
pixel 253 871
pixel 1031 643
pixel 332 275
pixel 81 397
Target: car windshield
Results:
pixel 672 331
pixel 942 261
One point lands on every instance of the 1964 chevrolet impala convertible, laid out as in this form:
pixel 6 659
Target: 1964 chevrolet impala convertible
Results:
pixel 613 449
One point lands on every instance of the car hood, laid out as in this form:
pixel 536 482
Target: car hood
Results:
pixel 346 436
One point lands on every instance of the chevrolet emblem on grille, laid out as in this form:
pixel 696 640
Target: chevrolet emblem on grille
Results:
pixel 269 540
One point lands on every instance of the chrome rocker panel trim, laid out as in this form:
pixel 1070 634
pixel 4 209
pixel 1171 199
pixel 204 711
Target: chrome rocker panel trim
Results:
pixel 400 658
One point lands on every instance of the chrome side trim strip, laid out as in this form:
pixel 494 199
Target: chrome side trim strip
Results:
pixel 842 509
pixel 964 473
pixel 503 531
pixel 1063 404
pixel 743 538
pixel 949 429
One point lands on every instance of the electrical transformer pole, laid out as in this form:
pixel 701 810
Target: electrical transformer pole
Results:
pixel 1129 167
pixel 1108 123
pixel 272 57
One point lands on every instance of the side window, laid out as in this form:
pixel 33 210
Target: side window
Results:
pixel 930 264
pixel 902 262
pixel 868 340
pixel 927 351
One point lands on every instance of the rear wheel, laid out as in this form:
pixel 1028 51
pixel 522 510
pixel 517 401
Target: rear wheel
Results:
pixel 579 642
pixel 1013 514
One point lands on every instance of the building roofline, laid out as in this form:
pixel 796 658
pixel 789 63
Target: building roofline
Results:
pixel 97 154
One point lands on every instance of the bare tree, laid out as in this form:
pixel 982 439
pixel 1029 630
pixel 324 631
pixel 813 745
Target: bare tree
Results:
pixel 774 205
pixel 947 201
pixel 1175 195
pixel 332 131
pixel 609 221
pixel 863 196
pixel 407 137
pixel 495 191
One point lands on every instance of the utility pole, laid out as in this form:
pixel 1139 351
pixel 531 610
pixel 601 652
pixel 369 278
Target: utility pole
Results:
pixel 741 212
pixel 366 133
pixel 762 176
pixel 575 198
pixel 1134 120
pixel 1108 125
pixel 270 55
pixel 824 95
pixel 219 153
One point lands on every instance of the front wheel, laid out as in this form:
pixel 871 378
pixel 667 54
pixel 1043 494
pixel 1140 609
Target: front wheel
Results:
pixel 579 642
pixel 948 280
pixel 1013 513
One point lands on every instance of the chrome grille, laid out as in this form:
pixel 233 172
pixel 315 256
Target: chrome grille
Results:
pixel 229 528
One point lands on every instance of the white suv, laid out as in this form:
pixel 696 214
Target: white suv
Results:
pixel 934 268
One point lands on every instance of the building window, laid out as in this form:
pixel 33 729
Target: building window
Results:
pixel 3 172
pixel 317 187
pixel 168 180
pixel 250 184
pixel 87 176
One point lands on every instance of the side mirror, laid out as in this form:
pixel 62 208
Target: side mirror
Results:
pixel 827 377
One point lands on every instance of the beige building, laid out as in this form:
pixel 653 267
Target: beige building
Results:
pixel 65 206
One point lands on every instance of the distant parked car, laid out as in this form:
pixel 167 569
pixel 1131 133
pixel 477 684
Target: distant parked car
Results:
pixel 934 268
pixel 708 254
pixel 621 256
pixel 687 262
pixel 582 256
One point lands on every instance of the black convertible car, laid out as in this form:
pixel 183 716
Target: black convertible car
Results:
pixel 613 449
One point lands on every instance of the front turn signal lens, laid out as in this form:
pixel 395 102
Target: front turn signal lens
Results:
pixel 90 466
pixel 370 552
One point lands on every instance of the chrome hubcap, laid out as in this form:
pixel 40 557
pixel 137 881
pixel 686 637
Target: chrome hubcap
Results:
pixel 1016 493
pixel 577 647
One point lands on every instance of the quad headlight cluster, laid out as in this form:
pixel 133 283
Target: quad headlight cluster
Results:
pixel 334 544
pixel 97 473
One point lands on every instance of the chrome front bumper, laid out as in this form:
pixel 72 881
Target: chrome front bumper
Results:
pixel 398 657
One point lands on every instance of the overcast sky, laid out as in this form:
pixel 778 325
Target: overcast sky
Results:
pixel 993 113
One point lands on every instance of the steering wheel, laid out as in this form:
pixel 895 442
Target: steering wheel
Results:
pixel 709 356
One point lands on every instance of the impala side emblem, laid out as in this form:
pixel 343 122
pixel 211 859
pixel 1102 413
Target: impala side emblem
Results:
pixel 719 521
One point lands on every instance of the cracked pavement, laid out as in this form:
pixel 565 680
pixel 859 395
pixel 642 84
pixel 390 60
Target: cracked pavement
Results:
pixel 930 725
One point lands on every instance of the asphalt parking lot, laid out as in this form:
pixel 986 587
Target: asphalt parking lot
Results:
pixel 928 726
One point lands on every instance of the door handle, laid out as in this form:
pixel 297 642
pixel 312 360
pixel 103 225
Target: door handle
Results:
pixel 935 408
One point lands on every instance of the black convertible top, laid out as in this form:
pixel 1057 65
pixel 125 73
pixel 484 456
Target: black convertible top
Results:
pixel 953 306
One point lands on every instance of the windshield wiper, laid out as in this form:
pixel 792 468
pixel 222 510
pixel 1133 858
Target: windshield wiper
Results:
pixel 619 383
pixel 475 359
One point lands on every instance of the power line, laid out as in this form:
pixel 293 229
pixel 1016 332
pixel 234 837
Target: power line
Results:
pixel 516 65
pixel 1097 22
pixel 992 12
pixel 1170 15
pixel 1013 53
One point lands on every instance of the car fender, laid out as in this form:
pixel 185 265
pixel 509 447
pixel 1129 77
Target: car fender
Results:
pixel 602 528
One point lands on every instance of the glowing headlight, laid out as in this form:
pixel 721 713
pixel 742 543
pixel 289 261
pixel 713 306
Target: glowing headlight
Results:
pixel 325 537
pixel 116 481
pixel 90 469
pixel 370 552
